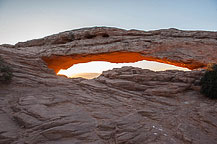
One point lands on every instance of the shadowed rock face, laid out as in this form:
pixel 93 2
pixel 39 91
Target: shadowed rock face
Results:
pixel 126 105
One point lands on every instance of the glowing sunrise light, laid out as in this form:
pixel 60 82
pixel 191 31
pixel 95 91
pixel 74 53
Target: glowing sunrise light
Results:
pixel 95 68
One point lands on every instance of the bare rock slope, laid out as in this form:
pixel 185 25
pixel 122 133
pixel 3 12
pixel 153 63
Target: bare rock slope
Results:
pixel 126 105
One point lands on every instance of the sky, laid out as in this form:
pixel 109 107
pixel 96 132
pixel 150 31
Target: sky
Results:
pixel 22 20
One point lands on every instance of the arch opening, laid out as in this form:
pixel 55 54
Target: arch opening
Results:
pixel 91 66
pixel 93 69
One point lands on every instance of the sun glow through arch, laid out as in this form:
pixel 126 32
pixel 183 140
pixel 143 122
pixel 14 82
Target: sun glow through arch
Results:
pixel 94 68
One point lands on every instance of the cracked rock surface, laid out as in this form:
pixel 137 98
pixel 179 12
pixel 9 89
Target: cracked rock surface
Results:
pixel 127 105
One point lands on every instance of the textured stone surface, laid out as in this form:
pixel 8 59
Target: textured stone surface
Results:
pixel 191 49
pixel 126 105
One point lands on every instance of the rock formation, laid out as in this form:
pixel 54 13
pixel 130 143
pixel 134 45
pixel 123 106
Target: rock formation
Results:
pixel 126 105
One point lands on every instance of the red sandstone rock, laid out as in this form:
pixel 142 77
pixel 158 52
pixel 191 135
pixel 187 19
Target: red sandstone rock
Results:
pixel 126 105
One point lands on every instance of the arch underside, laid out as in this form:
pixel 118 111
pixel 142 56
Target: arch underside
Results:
pixel 57 62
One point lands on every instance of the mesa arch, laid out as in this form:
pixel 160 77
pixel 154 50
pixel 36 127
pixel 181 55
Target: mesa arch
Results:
pixel 189 49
